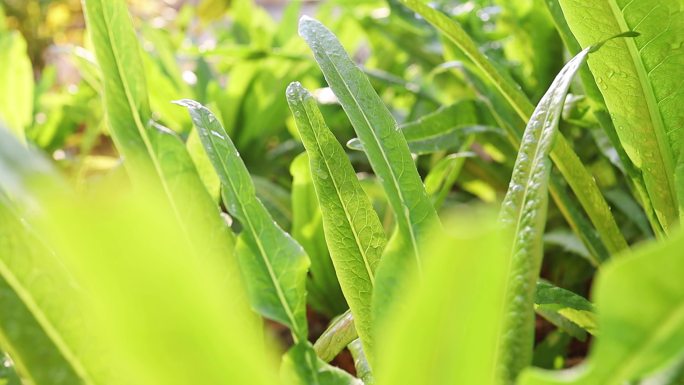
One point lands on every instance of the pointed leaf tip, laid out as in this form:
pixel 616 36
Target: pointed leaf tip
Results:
pixel 188 103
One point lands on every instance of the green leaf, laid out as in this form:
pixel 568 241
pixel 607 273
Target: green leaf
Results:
pixel 443 175
pixel 565 309
pixel 649 117
pixel 387 152
pixel 16 83
pixel 121 297
pixel 125 90
pixel 276 199
pixel 564 200
pixel 46 320
pixel 26 332
pixel 323 289
pixel 147 148
pixel 638 336
pixel 445 129
pixel 574 172
pixel 363 370
pixel 524 211
pixel 450 339
pixel 340 333
pixel 353 230
pixel 302 366
pixel 274 264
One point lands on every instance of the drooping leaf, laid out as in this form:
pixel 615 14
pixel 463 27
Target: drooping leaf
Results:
pixel 353 230
pixel 574 172
pixel 524 211
pixel 636 337
pixel 387 151
pixel 648 118
pixel 274 264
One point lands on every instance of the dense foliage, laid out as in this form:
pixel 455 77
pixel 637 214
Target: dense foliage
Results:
pixel 460 192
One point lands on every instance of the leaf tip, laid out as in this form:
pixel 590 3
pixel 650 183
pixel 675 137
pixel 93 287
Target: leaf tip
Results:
pixel 187 103
pixel 295 91
pixel 305 24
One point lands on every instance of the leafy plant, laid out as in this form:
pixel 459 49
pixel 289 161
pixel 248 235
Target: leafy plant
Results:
pixel 239 243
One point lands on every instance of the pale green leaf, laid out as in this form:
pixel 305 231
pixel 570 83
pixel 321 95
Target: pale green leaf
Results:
pixel 524 211
pixel 641 82
pixel 340 333
pixel 353 230
pixel 387 152
pixel 435 338
pixel 147 148
pixel 25 330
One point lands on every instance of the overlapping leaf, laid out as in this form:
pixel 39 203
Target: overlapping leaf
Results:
pixel 353 231
pixel 387 151
pixel 641 82
pixel 524 210
pixel 275 264
pixel 563 156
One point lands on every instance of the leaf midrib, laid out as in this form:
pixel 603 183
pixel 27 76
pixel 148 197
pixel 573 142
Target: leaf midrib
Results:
pixel 395 182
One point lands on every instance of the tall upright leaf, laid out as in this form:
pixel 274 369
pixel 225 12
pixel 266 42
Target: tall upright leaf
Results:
pixel 641 82
pixel 636 337
pixel 353 230
pixel 387 152
pixel 524 211
pixel 149 149
pixel 125 90
pixel 569 164
pixel 274 263
pixel 440 336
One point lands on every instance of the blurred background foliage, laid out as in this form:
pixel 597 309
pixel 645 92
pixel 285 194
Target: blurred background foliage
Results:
pixel 238 56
